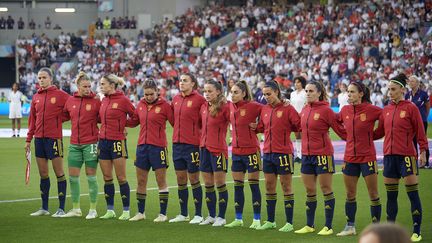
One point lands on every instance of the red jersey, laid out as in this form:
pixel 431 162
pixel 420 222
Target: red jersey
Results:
pixel 46 112
pixel 400 123
pixel 359 121
pixel 214 129
pixel 244 139
pixel 316 119
pixel 113 114
pixel 83 111
pixel 152 119
pixel 277 123
pixel 187 119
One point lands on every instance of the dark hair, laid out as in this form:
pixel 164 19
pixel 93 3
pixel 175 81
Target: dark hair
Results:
pixel 302 81
pixel 193 79
pixel 320 88
pixel 400 79
pixel 220 100
pixel 243 86
pixel 363 89
pixel 387 233
pixel 275 87
pixel 47 70
pixel 150 84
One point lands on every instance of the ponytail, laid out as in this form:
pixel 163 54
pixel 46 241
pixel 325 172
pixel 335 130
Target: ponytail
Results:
pixel 363 89
pixel 275 87
pixel 220 100
pixel 320 88
pixel 243 86
pixel 114 79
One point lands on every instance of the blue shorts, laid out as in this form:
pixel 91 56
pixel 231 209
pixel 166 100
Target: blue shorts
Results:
pixel 355 169
pixel 112 149
pixel 186 157
pixel 212 163
pixel 278 164
pixel 397 166
pixel 48 148
pixel 250 163
pixel 317 164
pixel 150 156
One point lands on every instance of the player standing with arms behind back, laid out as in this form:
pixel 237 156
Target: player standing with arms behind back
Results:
pixel 298 100
pixel 15 102
pixel 45 124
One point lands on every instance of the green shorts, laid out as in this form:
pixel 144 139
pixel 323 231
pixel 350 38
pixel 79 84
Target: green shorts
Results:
pixel 79 154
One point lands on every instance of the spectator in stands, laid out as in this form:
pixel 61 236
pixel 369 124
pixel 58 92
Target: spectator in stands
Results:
pixel 99 24
pixel 48 23
pixel 107 23
pixel 10 23
pixel 3 98
pixel 57 27
pixel 20 23
pixel 2 23
pixel 114 23
pixel 32 25
pixel 133 23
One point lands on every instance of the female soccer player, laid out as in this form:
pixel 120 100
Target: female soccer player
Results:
pixel 83 110
pixel 360 157
pixel 214 151
pixel 400 122
pixel 317 159
pixel 152 113
pixel 298 100
pixel 186 140
pixel 246 152
pixel 15 103
pixel 45 124
pixel 277 121
pixel 112 142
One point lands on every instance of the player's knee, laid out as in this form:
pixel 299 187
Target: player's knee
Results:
pixel 351 194
pixel 121 178
pixel 270 186
pixel 373 195
pixel 181 178
pixel 326 189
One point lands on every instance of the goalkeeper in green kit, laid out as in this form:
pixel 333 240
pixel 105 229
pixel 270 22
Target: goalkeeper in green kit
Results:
pixel 83 110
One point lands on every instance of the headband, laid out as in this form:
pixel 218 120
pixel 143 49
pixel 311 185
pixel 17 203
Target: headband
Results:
pixel 398 82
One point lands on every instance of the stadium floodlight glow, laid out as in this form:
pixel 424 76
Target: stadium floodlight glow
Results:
pixel 3 9
pixel 64 10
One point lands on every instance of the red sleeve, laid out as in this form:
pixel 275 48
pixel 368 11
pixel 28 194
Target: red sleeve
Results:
pixel 294 118
pixel 170 114
pixel 31 121
pixel 133 120
pixel 65 114
pixel 260 126
pixel 417 123
pixel 130 109
pixel 339 120
pixel 335 125
pixel 379 131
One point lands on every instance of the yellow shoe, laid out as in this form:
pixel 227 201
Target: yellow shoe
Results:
pixel 415 237
pixel 305 230
pixel 326 231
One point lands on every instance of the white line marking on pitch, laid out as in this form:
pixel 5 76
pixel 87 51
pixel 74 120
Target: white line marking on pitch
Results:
pixel 133 190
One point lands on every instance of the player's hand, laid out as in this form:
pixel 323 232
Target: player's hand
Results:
pixel 125 132
pixel 253 126
pixel 422 159
pixel 286 102
pixel 27 146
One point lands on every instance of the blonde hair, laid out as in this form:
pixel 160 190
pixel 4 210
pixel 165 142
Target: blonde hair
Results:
pixel 80 77
pixel 114 79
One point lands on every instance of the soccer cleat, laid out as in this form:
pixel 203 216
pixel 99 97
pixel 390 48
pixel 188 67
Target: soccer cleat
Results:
pixel 267 225
pixel 179 218
pixel 255 224
pixel 110 214
pixel 305 230
pixel 349 230
pixel 326 231
pixel 138 217
pixel 235 223
pixel 92 214
pixel 125 215
pixel 40 212
pixel 160 218
pixel 60 213
pixel 75 212
pixel 196 220
pixel 219 222
pixel 287 228
pixel 207 221
pixel 415 237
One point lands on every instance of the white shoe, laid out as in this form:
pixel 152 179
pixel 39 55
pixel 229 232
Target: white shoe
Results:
pixel 75 212
pixel 349 230
pixel 138 217
pixel 160 218
pixel 219 222
pixel 180 218
pixel 196 220
pixel 59 214
pixel 92 214
pixel 40 212
pixel 207 221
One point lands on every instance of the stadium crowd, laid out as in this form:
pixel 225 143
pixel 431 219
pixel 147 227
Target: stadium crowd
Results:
pixel 369 41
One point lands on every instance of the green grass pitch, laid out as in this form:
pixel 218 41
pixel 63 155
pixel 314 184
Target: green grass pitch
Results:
pixel 17 226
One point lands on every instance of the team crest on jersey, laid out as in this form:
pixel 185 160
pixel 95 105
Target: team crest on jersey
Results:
pixel 88 107
pixel 363 117
pixel 279 114
pixel 402 114
pixel 316 116
pixel 189 103
pixel 53 100
pixel 242 112
pixel 115 105
pixel 158 109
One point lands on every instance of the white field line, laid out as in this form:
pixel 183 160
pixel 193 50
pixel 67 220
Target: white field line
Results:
pixel 132 190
